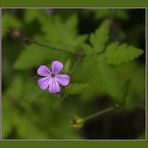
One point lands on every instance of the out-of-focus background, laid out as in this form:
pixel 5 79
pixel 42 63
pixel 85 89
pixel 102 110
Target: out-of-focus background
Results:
pixel 30 113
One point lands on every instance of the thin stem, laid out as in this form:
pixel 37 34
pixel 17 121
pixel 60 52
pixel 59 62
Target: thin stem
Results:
pixel 110 108
pixel 75 65
pixel 16 34
pixel 127 85
pixel 49 47
pixel 100 113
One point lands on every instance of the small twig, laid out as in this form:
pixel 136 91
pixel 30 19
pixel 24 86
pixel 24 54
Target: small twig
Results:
pixel 18 35
pixel 49 47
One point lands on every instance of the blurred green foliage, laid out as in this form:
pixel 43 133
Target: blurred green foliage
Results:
pixel 108 64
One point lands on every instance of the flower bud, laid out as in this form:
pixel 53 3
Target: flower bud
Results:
pixel 77 122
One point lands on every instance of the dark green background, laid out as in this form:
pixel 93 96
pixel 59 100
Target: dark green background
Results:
pixel 80 3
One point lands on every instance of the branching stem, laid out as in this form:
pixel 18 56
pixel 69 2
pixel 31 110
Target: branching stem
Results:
pixel 18 35
pixel 49 47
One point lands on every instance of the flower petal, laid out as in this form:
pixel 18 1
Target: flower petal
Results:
pixel 56 67
pixel 44 82
pixel 54 86
pixel 63 79
pixel 43 71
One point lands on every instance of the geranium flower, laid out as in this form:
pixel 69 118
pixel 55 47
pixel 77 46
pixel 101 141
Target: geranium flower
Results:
pixel 52 79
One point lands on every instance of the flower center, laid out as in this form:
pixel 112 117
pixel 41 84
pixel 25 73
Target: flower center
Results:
pixel 52 75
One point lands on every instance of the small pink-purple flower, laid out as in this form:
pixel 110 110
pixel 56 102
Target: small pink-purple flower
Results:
pixel 52 78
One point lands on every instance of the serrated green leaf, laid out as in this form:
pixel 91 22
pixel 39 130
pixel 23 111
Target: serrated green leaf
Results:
pixel 102 78
pixel 71 23
pixel 32 57
pixel 135 72
pixel 67 66
pixel 76 88
pixel 117 54
pixel 64 34
pixel 100 37
pixel 87 48
pixel 110 82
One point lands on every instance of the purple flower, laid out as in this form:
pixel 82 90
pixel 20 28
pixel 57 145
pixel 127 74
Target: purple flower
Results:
pixel 52 79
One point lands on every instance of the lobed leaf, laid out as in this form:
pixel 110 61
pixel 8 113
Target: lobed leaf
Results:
pixel 67 66
pixel 75 88
pixel 31 57
pixel 87 48
pixel 63 34
pixel 117 54
pixel 100 37
pixel 109 79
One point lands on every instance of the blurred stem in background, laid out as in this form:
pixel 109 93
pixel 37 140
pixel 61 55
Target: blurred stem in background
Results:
pixel 18 35
pixel 78 122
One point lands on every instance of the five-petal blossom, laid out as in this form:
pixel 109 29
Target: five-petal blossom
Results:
pixel 52 79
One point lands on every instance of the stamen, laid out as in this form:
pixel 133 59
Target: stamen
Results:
pixel 52 75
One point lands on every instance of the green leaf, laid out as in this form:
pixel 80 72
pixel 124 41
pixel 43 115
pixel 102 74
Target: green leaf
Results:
pixel 32 57
pixel 31 14
pixel 102 78
pixel 87 48
pixel 71 23
pixel 75 88
pixel 7 118
pixel 136 73
pixel 67 66
pixel 16 87
pixel 109 79
pixel 63 34
pixel 27 129
pixel 100 37
pixel 117 54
